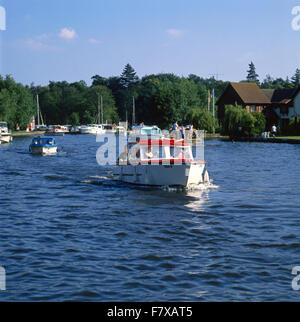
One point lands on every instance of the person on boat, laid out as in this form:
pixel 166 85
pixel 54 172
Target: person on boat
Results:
pixel 182 131
pixel 175 126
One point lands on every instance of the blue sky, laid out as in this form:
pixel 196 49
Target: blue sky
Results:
pixel 73 40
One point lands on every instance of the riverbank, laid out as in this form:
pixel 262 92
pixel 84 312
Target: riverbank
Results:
pixel 284 140
pixel 16 134
pixel 210 136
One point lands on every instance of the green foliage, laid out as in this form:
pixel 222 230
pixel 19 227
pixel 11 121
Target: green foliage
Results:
pixel 16 103
pixel 63 103
pixel 296 78
pixel 278 83
pixel 294 127
pixel 238 122
pixel 252 76
pixel 203 119
pixel 128 77
pixel 74 119
pixel 160 99
pixel 166 98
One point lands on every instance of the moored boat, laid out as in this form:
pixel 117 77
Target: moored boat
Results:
pixel 43 146
pixel 92 129
pixel 5 135
pixel 56 130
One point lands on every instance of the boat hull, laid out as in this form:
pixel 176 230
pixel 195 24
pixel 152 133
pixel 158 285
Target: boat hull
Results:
pixel 6 138
pixel 184 175
pixel 91 131
pixel 43 150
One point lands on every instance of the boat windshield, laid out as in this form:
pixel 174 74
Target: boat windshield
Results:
pixel 3 124
pixel 43 141
pixel 147 130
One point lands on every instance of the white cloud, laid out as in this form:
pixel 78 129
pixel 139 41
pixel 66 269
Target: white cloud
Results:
pixel 175 33
pixel 94 41
pixel 68 33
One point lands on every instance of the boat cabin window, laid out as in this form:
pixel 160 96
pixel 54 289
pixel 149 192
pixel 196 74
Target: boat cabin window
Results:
pixel 43 141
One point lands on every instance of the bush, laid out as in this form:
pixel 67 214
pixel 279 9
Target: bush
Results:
pixel 202 120
pixel 293 128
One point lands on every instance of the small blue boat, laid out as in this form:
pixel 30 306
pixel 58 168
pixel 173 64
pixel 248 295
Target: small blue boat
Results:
pixel 43 146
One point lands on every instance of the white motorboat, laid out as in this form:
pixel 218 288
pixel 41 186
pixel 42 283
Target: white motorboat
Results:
pixel 5 135
pixel 144 131
pixel 92 129
pixel 160 162
pixel 56 130
pixel 43 146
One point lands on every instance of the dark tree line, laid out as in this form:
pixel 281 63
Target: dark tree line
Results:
pixel 159 99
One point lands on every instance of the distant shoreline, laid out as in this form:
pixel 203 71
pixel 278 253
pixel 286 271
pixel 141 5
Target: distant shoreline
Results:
pixel 284 140
pixel 16 134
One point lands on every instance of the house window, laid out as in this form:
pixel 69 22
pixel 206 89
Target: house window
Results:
pixel 252 108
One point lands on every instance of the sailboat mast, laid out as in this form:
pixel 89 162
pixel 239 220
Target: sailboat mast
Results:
pixel 38 109
pixel 133 111
pixel 102 112
pixel 98 114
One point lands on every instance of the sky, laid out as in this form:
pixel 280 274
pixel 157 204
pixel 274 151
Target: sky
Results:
pixel 72 40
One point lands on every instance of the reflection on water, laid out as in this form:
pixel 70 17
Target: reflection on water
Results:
pixel 70 232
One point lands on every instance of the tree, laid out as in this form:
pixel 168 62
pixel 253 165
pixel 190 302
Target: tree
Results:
pixel 238 122
pixel 202 119
pixel 74 119
pixel 252 76
pixel 296 78
pixel 165 98
pixel 128 77
pixel 128 83
pixel 16 102
pixel 99 81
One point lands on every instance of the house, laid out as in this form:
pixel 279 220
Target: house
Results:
pixel 248 95
pixel 279 106
pixel 282 103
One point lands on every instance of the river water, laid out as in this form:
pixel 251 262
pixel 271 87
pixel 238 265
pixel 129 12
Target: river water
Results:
pixel 69 232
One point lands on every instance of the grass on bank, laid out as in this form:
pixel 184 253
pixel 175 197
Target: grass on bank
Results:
pixel 288 137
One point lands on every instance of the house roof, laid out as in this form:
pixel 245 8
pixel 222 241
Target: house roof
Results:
pixel 283 96
pixel 250 93
pixel 269 93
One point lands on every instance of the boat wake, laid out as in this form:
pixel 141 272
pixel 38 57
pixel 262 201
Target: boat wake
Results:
pixel 197 187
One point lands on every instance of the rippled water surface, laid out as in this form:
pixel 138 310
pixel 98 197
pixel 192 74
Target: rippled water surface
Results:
pixel 69 232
